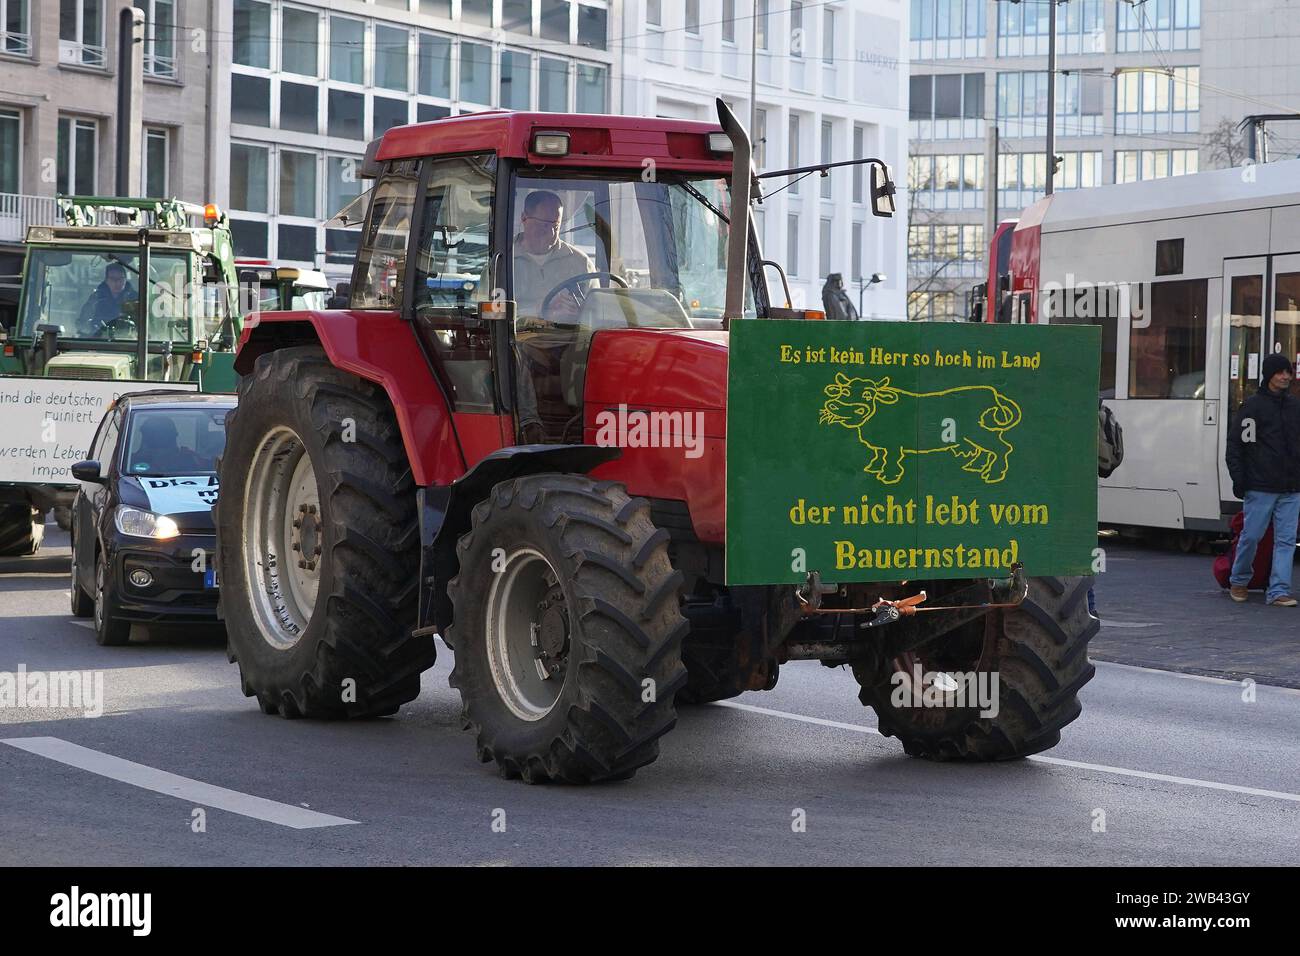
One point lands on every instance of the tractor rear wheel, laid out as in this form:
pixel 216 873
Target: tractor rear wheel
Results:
pixel 1036 653
pixel 318 543
pixel 22 529
pixel 566 630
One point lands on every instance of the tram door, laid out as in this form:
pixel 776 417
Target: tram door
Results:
pixel 1243 338
pixel 1285 299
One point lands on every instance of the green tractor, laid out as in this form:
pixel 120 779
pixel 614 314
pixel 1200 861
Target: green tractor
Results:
pixel 125 294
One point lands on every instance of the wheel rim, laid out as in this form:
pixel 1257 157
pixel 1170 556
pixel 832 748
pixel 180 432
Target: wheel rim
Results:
pixel 528 634
pixel 99 594
pixel 282 538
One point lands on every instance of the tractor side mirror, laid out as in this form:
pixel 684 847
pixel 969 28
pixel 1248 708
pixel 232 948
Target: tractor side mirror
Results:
pixel 497 310
pixel 882 191
pixel 87 471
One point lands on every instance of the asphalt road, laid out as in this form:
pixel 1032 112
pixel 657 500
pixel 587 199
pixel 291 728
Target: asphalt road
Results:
pixel 1179 769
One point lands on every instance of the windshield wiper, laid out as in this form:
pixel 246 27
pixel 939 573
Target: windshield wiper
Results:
pixel 705 200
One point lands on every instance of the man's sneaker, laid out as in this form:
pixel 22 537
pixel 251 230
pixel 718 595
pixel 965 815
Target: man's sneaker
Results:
pixel 1239 594
pixel 1285 600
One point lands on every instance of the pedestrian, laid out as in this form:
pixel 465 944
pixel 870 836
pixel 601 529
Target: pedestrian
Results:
pixel 1263 458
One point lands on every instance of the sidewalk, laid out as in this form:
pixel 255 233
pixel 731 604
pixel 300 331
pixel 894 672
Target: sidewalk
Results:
pixel 1163 609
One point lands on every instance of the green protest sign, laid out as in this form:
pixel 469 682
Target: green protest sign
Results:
pixel 881 451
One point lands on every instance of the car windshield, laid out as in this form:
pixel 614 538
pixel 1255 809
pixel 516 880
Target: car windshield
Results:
pixel 93 295
pixel 163 442
pixel 665 240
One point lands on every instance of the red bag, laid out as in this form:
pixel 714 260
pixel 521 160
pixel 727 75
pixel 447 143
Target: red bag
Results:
pixel 1263 565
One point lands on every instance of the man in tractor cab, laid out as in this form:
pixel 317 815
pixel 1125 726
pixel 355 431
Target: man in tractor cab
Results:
pixel 107 302
pixel 543 260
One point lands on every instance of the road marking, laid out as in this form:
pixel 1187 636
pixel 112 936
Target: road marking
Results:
pixel 1106 623
pixel 1040 758
pixel 1206 678
pixel 87 624
pixel 173 785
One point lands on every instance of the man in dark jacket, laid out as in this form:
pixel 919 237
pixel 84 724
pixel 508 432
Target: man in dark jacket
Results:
pixel 108 301
pixel 1264 461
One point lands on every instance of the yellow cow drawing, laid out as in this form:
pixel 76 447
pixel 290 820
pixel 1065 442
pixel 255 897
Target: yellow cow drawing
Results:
pixel 885 419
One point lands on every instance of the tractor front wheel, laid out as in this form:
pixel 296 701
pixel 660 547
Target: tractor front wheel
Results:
pixel 1026 664
pixel 318 543
pixel 566 630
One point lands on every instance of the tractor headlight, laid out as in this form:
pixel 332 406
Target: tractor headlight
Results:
pixel 145 524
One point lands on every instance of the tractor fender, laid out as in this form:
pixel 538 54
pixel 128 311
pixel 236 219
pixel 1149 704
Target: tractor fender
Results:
pixel 381 348
pixel 445 511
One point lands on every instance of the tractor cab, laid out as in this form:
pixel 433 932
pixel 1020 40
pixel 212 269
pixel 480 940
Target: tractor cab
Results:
pixel 591 225
pixel 128 289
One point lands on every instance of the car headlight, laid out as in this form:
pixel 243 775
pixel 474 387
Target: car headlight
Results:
pixel 145 524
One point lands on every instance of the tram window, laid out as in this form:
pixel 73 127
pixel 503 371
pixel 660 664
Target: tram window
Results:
pixel 1167 356
pixel 1169 257
pixel 1109 341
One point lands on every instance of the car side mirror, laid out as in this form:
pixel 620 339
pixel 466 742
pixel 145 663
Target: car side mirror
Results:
pixel 882 191
pixel 87 471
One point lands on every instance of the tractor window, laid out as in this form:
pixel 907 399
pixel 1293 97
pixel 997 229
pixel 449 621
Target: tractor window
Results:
pixel 381 259
pixel 453 274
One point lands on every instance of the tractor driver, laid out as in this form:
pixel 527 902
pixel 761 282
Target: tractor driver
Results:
pixel 107 302
pixel 543 260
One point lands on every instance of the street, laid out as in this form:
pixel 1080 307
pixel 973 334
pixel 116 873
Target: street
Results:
pixel 1162 769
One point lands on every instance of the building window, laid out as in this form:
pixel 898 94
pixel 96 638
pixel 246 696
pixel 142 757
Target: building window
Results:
pixel 932 307
pixel 824 248
pixel 693 17
pixel 760 24
pixel 298 107
pixel 1022 177
pixel 155 179
pixel 347 50
pixel 1022 103
pixel 78 160
pixel 159 38
pixel 729 21
pixel 942 29
pixel 592 81
pixel 859 152
pixel 392 48
pixel 517 16
pixel 1080 28
pixel 946 106
pixel 516 80
pixel 1148 101
pixel 945 250
pixel 760 138
pixel 796 29
pixel 346 114
pixel 251 43
pixel 387 112
pixel 555 20
pixel 250 99
pixel 248 177
pixel 475 73
pixel 299 45
pixel 1133 165
pixel 477 12
pixel 855 266
pixel 828 137
pixel 81 32
pixel 654 12
pixel 15 27
pixel 297 184
pixel 552 85
pixel 828 37
pixel 792 152
pixel 1158 25
pixel 11 150
pixel 792 244
pixel 593 27
pixel 947 181
pixel 342 184
pixel 434 77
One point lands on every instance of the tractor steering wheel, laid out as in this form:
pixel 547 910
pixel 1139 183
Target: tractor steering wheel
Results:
pixel 577 291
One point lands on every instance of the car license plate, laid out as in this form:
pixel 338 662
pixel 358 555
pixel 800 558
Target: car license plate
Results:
pixel 210 578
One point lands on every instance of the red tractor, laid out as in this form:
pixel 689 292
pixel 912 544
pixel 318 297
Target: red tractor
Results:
pixel 426 463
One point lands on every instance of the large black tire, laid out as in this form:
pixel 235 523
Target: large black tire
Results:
pixel 1038 653
pixel 612 599
pixel 110 630
pixel 353 655
pixel 22 529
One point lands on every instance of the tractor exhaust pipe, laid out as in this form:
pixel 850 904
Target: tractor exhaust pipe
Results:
pixel 738 234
